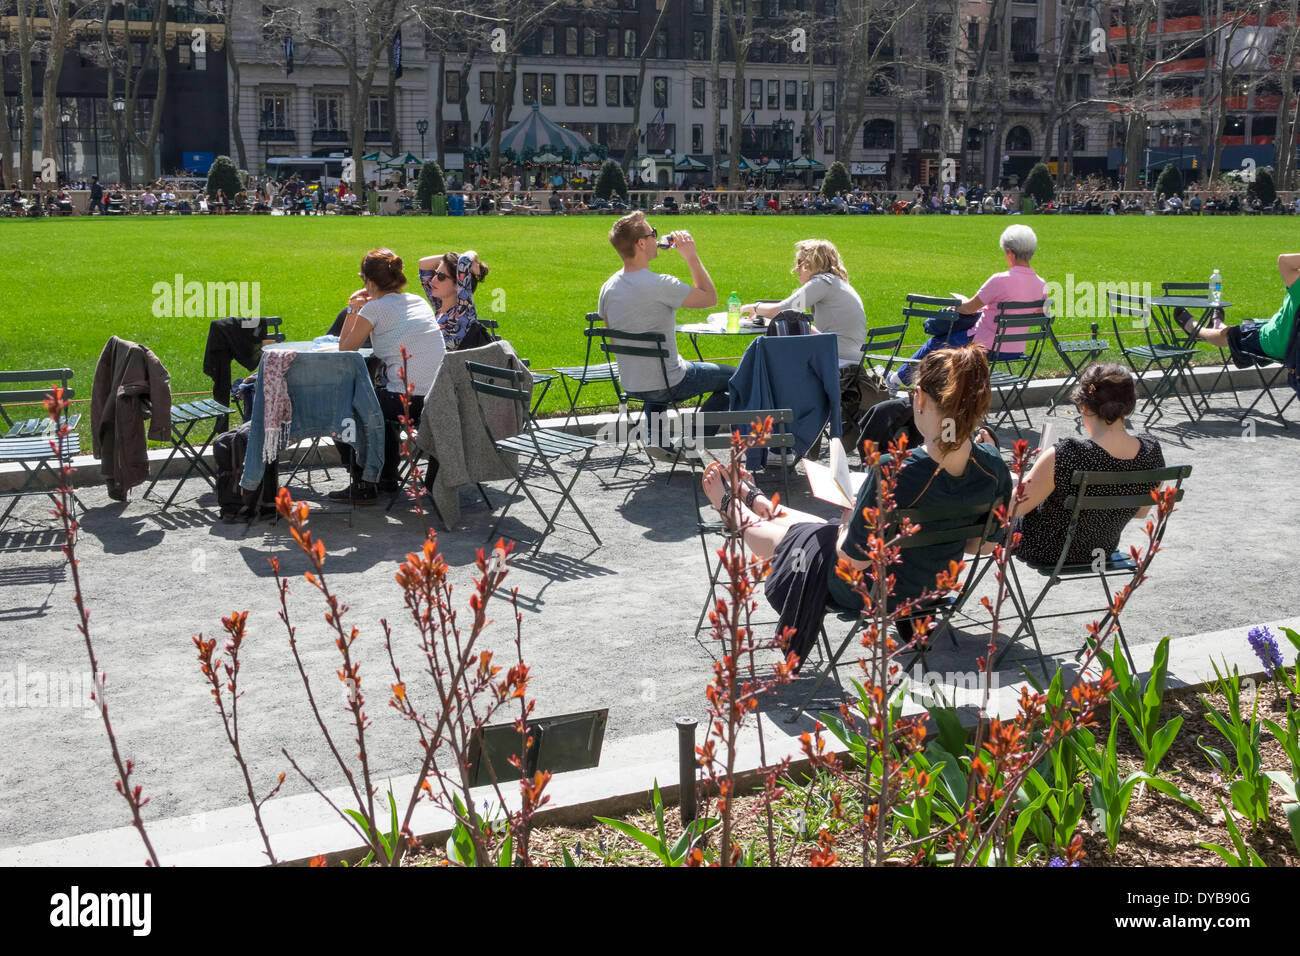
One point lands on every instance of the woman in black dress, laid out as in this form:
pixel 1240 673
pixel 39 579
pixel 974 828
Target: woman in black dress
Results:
pixel 949 470
pixel 1105 396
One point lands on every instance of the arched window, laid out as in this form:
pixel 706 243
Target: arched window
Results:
pixel 878 134
pixel 1019 140
pixel 930 136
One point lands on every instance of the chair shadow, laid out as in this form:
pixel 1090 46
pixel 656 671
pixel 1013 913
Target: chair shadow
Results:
pixel 32 576
pixel 555 568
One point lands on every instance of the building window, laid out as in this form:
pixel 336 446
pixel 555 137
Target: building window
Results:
pixel 828 142
pixel 661 91
pixel 697 6
pixel 722 138
pixel 791 94
pixel 630 49
pixel 611 41
pixel 697 92
pixel 530 89
pixel 589 40
pixel 697 45
pixel 1024 35
pixel 661 45
pixel 631 4
pixel 451 87
pixel 973 35
pixel 1019 140
pixel 570 41
pixel 377 112
pixel 327 23
pixel 630 91
pixel 548 41
pixel 807 101
pixel 697 138
pixel 755 94
pixel 774 94
pixel 327 111
pixel 828 95
pixel 276 110
pixel 722 92
pixel 878 134
pixel 611 91
pixel 487 80
pixel 548 89
pixel 1082 86
pixel 571 89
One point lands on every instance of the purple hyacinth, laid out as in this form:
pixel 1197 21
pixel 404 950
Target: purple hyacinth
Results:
pixel 1060 861
pixel 1264 644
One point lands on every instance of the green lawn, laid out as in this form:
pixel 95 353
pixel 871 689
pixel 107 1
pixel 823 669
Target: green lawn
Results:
pixel 72 283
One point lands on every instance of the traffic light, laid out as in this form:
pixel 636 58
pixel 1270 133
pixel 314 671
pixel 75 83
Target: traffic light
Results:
pixel 1195 160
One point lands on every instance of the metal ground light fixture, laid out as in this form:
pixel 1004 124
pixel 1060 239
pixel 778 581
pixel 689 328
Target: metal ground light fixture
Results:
pixel 422 127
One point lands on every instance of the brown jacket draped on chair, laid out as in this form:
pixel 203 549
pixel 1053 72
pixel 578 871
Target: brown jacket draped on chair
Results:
pixel 128 380
pixel 452 429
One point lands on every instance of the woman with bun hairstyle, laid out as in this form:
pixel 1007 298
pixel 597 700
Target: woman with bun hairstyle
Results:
pixel 1105 396
pixel 393 320
pixel 950 398
pixel 449 280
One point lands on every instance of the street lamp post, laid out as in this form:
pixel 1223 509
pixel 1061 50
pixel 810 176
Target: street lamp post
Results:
pixel 64 119
pixel 20 140
pixel 119 107
pixel 422 127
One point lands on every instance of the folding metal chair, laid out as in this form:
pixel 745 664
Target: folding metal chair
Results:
pixel 1023 328
pixel 694 445
pixel 184 419
pixel 1089 494
pixel 1077 354
pixel 615 343
pixel 27 440
pixel 532 445
pixel 587 373
pixel 1266 384
pixel 883 345
pixel 979 522
pixel 1158 353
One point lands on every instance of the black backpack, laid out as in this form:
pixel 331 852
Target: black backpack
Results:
pixel 790 322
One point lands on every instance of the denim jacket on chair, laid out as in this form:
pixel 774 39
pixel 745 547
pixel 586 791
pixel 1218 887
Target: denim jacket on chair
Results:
pixel 332 398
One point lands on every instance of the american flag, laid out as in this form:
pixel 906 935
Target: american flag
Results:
pixel 821 132
pixel 660 121
pixel 490 118
pixel 750 120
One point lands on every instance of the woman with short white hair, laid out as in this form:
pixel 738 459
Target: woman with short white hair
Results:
pixel 1018 284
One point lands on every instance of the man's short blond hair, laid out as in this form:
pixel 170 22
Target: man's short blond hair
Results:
pixel 626 233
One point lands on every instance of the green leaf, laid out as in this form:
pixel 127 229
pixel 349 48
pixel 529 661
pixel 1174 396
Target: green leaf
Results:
pixel 1216 757
pixel 1292 636
pixel 1023 822
pixel 949 732
pixel 506 856
pixel 1292 811
pixel 659 816
pixel 1284 782
pixel 1169 789
pixel 568 859
pixel 1161 741
pixel 647 840
pixel 1227 856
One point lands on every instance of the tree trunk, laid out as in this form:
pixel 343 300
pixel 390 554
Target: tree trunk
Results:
pixel 949 83
pixel 808 135
pixel 714 51
pixel 26 40
pixel 442 95
pixel 980 60
pixel 1284 142
pixel 6 147
pixel 233 62
pixel 498 117
pixel 394 136
pixel 640 88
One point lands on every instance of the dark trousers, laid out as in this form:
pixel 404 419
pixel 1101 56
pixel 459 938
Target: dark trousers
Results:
pixel 391 404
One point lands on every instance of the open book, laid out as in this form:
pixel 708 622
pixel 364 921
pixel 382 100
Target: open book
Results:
pixel 834 484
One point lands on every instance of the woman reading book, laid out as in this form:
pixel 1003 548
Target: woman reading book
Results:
pixel 950 397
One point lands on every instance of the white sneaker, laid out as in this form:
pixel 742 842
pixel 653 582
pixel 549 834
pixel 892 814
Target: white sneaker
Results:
pixel 894 383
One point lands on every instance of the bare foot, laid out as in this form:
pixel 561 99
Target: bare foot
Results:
pixel 761 505
pixel 715 488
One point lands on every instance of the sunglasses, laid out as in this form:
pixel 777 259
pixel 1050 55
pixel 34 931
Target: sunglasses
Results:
pixel 441 276
pixel 652 234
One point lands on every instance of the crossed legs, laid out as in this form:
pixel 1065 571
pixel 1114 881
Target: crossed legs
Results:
pixel 761 523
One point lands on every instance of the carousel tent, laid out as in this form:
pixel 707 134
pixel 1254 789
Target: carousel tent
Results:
pixel 537 132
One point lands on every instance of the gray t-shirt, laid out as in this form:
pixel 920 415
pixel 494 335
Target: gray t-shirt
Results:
pixel 401 319
pixel 836 307
pixel 645 301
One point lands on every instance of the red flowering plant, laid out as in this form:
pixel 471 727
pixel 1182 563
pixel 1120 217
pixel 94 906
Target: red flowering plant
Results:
pixel 56 406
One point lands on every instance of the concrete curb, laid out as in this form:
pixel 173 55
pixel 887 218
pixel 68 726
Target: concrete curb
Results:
pixel 86 467
pixel 302 827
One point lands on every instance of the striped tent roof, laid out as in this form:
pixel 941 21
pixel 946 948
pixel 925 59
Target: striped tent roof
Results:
pixel 536 131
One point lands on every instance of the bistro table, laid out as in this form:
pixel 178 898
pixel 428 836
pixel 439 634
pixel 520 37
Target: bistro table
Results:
pixel 1165 306
pixel 716 325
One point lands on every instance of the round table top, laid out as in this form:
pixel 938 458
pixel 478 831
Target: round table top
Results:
pixel 1189 301
pixel 311 348
pixel 717 325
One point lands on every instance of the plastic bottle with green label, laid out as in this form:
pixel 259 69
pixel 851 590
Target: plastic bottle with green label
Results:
pixel 733 313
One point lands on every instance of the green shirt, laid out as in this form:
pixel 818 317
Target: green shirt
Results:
pixel 923 484
pixel 1275 334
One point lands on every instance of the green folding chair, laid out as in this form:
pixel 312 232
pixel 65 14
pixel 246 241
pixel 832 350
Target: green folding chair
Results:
pixel 27 440
pixel 588 372
pixel 532 446
pixel 1018 341
pixel 979 522
pixel 1159 353
pixel 1076 355
pixel 1089 494
pixel 185 418
pixel 883 347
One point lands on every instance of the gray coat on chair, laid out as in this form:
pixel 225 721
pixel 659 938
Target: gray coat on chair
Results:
pixel 454 432
pixel 127 379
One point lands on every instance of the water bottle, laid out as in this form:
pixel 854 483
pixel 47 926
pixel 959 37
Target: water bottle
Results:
pixel 733 313
pixel 1216 287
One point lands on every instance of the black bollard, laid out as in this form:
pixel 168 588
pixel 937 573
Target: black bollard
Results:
pixel 686 767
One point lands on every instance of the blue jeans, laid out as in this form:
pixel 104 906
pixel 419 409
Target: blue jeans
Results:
pixel 953 340
pixel 700 377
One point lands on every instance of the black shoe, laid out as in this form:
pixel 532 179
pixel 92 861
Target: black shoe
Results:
pixel 360 493
pixel 388 487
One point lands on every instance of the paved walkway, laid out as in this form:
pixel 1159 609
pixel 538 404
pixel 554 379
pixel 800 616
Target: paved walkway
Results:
pixel 602 627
